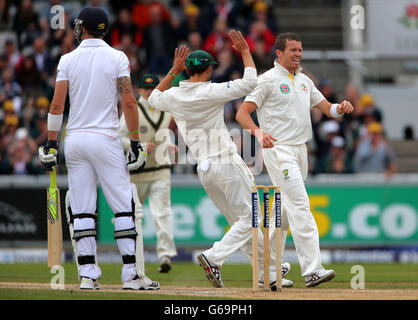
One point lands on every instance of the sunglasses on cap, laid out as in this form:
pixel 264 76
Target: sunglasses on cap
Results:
pixel 196 61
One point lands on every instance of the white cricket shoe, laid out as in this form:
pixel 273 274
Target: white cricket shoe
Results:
pixel 319 277
pixel 89 284
pixel 138 283
pixel 213 273
pixel 286 283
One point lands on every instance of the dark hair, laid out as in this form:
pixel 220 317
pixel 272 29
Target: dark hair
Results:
pixel 192 72
pixel 282 38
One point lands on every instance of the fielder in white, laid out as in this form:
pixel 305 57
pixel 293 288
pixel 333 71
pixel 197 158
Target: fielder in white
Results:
pixel 198 108
pixel 283 98
pixel 93 74
pixel 153 181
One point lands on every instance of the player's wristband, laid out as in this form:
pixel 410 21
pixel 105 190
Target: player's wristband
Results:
pixel 54 122
pixel 334 112
pixel 171 74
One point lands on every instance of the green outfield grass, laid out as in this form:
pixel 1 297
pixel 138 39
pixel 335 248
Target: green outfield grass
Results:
pixel 377 276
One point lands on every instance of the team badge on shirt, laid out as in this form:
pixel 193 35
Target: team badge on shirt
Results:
pixel 286 174
pixel 284 88
pixel 143 129
pixel 304 88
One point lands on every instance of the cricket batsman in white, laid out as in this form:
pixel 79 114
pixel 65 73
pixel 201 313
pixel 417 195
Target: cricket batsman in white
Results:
pixel 93 74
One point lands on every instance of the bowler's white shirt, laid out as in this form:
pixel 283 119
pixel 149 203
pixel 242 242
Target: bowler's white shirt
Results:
pixel 198 109
pixel 92 70
pixel 283 104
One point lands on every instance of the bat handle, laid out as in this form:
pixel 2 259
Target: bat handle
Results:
pixel 53 177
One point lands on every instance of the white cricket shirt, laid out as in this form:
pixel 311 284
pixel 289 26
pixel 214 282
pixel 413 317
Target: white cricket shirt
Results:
pixel 198 108
pixel 92 70
pixel 283 104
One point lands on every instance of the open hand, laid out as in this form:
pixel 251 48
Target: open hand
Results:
pixel 180 55
pixel 238 41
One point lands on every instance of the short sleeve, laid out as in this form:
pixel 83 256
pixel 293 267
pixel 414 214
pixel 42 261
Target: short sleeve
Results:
pixel 260 93
pixel 62 70
pixel 316 95
pixel 161 100
pixel 124 66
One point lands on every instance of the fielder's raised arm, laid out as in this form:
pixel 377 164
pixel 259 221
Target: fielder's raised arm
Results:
pixel 180 55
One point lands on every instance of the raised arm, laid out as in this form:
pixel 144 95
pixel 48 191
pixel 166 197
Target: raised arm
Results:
pixel 180 55
pixel 240 45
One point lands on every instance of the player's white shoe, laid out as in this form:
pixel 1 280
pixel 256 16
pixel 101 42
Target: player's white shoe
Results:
pixel 286 283
pixel 89 284
pixel 319 277
pixel 138 283
pixel 212 273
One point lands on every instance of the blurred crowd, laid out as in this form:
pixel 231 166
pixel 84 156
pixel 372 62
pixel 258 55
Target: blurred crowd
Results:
pixel 148 32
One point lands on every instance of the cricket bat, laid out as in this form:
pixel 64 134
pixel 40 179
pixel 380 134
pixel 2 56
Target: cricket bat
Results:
pixel 54 221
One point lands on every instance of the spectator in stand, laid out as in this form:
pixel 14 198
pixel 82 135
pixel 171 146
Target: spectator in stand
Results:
pixel 326 132
pixel 225 67
pixel 218 39
pixel 5 20
pixel 10 90
pixel 22 152
pixel 26 23
pixel 128 46
pixel 368 113
pixel 8 108
pixel 141 12
pixel 194 40
pixel 124 25
pixel 336 161
pixel 14 57
pixel 29 77
pixel 7 133
pixel 191 22
pixel 260 11
pixel 374 153
pixel 226 10
pixel 159 41
pixel 42 57
pixel 260 31
pixel 262 58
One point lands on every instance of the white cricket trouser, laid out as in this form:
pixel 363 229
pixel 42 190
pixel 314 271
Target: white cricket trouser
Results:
pixel 229 187
pixel 91 159
pixel 158 194
pixel 287 167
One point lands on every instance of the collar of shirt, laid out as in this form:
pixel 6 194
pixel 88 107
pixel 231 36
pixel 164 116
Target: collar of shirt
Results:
pixel 284 71
pixel 189 84
pixel 93 43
